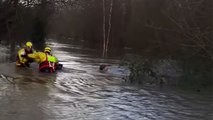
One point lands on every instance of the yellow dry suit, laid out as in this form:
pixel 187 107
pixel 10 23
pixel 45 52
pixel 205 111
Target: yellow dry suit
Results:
pixel 21 60
pixel 47 62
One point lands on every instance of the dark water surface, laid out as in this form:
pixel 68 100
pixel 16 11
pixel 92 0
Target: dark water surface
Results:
pixel 81 92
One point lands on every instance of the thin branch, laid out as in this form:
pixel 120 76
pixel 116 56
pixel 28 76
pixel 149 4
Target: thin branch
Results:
pixel 175 22
pixel 161 28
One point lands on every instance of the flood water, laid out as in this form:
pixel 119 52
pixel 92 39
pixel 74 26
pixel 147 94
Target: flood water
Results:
pixel 81 92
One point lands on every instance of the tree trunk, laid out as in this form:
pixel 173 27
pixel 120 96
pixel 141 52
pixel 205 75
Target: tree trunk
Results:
pixel 104 29
pixel 109 27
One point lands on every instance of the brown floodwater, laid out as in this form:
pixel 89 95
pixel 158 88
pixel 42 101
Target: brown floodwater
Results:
pixel 81 92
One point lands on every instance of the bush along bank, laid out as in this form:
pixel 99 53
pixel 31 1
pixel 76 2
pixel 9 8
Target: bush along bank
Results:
pixel 185 74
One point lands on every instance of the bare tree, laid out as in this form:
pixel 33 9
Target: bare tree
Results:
pixel 104 29
pixel 109 27
pixel 106 39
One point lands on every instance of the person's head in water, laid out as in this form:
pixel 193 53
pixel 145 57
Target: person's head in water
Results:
pixel 28 46
pixel 103 67
pixel 47 50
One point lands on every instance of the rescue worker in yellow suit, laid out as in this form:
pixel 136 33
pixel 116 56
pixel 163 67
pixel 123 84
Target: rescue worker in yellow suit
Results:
pixel 47 62
pixel 21 60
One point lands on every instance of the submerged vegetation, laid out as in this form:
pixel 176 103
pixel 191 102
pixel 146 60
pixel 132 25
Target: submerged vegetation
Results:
pixel 194 74
pixel 197 75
